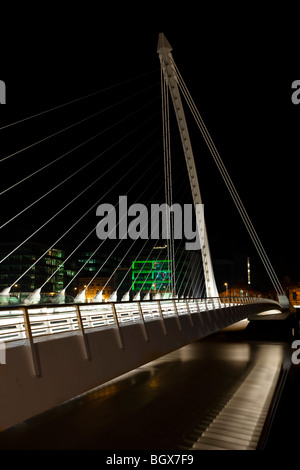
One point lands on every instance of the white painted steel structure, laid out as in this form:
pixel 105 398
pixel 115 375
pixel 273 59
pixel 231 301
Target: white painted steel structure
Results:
pixel 167 64
pixel 56 352
pixel 52 319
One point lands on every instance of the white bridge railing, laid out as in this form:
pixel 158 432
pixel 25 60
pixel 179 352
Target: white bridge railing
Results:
pixel 21 322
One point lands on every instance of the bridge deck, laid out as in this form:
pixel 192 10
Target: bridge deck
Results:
pixel 43 370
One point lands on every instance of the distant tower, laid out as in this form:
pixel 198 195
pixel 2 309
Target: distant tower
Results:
pixel 248 271
pixel 2 92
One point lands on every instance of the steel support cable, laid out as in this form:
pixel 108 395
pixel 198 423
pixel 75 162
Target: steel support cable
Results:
pixel 78 220
pixel 86 262
pixel 254 237
pixel 104 240
pixel 56 241
pixel 171 290
pixel 194 275
pixel 143 247
pixel 77 147
pixel 183 191
pixel 140 271
pixel 117 245
pixel 232 190
pixel 185 278
pixel 154 281
pixel 76 100
pixel 218 161
pixel 168 173
pixel 169 168
pixel 175 252
pixel 124 256
pixel 76 197
pixel 106 262
pixel 67 128
pixel 161 250
pixel 70 202
pixel 146 260
pixel 242 212
pixel 245 220
pixel 51 218
pixel 166 151
pixel 167 185
pixel 113 273
pixel 177 249
pixel 178 290
pixel 161 281
pixel 140 251
pixel 180 271
pixel 168 176
pixel 123 260
pixel 129 248
pixel 200 285
pixel 189 270
pixel 70 228
pixel 146 279
pixel 165 146
pixel 85 165
pixel 91 257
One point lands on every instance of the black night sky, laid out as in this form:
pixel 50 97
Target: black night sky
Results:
pixel 239 61
pixel 239 67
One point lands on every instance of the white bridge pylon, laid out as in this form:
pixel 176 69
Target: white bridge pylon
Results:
pixel 167 65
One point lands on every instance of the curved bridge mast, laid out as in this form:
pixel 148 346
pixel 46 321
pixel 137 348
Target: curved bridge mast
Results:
pixel 167 64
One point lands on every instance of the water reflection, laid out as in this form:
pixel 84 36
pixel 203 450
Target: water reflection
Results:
pixel 153 407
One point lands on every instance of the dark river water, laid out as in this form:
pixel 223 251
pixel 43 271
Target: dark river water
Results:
pixel 158 405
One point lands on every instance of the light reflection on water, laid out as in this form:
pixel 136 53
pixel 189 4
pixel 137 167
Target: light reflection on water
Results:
pixel 152 406
pixel 270 355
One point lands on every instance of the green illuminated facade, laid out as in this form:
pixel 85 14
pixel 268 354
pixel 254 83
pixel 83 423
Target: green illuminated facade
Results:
pixel 151 276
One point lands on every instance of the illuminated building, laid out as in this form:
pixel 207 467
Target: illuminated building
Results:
pixel 151 276
pixel 239 290
pixel 91 264
pixel 26 258
pixel 292 290
pixel 95 272
pixel 94 287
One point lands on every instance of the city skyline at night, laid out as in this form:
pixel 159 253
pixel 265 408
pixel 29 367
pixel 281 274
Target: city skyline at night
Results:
pixel 115 333
pixel 263 169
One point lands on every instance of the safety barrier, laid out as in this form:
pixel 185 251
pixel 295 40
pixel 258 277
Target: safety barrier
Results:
pixel 71 348
pixel 21 322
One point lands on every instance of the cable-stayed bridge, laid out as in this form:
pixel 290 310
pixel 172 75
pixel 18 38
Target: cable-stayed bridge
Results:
pixel 57 348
